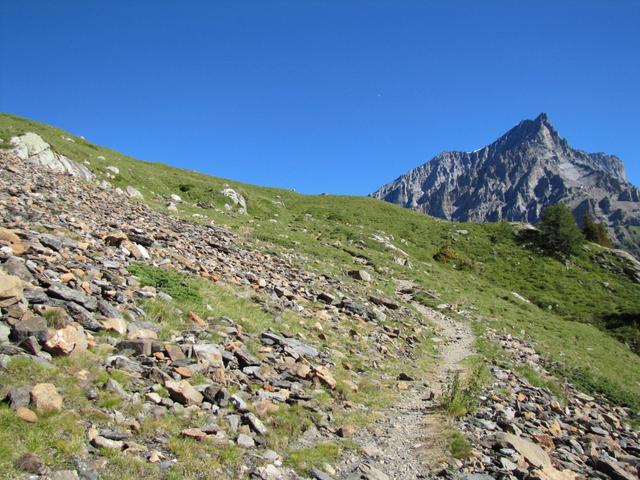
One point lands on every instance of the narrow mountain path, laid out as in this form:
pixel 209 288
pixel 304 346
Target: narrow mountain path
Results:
pixel 410 440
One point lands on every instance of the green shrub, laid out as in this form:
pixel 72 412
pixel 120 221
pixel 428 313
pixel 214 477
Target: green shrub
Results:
pixel 180 286
pixel 459 446
pixel 448 254
pixel 502 233
pixel 462 397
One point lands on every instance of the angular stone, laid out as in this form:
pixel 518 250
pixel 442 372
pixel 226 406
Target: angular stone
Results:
pixel 301 370
pixel 16 266
pixel 318 474
pixel 141 333
pixel 45 398
pixel 54 243
pixel 115 238
pixel 85 471
pixel 613 469
pixel 183 392
pixel 63 475
pixel 531 452
pixel 194 433
pixel 58 290
pixel 32 327
pixel 323 374
pixel 83 316
pixel 346 431
pixel 140 346
pixel 11 289
pixel 384 302
pixel 5 332
pixel 245 441
pixel 114 386
pixel 19 397
pixel 174 351
pixel 299 348
pixel 35 296
pixel 216 395
pixel 255 423
pixel 154 397
pixel 195 318
pixel 184 372
pixel 134 193
pixel 360 275
pixel 326 298
pixel 101 442
pixel 245 359
pixel 9 238
pixel 31 345
pixel 66 340
pixel 118 325
pixel 108 310
pixel 239 403
pixel 137 251
pixel 211 355
pixel 369 472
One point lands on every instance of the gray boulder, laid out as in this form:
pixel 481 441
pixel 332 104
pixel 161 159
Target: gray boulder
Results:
pixel 32 148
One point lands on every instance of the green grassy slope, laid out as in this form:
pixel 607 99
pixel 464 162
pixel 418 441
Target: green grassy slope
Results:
pixel 569 301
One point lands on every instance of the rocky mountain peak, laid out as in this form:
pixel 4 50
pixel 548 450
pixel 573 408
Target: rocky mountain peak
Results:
pixel 539 126
pixel 515 177
pixel 538 131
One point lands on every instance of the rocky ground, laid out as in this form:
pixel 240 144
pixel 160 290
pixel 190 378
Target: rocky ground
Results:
pixel 78 341
pixel 410 440
pixel 521 430
pixel 67 290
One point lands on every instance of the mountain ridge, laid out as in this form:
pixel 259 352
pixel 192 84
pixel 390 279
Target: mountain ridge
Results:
pixel 516 176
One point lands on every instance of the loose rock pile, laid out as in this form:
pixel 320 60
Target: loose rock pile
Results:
pixel 524 431
pixel 65 289
pixel 66 248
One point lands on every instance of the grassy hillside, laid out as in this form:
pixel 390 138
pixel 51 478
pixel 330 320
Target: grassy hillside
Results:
pixel 571 303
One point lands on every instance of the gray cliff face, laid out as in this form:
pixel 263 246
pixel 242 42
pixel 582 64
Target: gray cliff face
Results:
pixel 516 177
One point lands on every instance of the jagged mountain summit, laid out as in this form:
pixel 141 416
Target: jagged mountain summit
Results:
pixel 515 177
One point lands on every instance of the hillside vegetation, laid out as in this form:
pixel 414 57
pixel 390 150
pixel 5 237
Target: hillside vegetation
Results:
pixel 580 312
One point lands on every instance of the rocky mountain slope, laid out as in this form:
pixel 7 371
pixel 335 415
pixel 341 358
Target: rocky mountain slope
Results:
pixel 516 176
pixel 158 323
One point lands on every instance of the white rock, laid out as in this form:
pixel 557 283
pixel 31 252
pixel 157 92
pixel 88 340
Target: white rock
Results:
pixel 134 193
pixel 245 441
pixel 32 148
pixel 175 198
pixel 520 297
pixel 237 199
pixel 113 169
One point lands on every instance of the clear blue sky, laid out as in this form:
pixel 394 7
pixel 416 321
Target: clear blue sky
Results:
pixel 322 96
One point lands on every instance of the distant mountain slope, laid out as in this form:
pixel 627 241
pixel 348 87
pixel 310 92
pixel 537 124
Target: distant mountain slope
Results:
pixel 516 176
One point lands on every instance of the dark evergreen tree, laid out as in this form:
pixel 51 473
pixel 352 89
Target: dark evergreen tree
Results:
pixel 595 232
pixel 559 232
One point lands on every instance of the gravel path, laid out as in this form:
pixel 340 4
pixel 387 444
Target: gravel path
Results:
pixel 409 441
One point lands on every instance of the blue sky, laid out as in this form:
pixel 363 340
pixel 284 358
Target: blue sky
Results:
pixel 322 96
